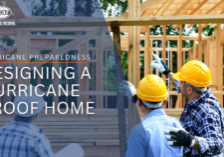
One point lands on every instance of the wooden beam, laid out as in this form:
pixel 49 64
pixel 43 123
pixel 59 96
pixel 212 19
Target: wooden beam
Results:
pixel 23 48
pixel 124 14
pixel 184 5
pixel 143 7
pixel 214 25
pixel 198 7
pixel 61 50
pixel 199 42
pixel 171 69
pixel 150 56
pixel 120 97
pixel 130 21
pixel 206 53
pixel 163 8
pixel 194 10
pixel 148 4
pixel 219 66
pixel 164 49
pixel 209 11
pixel 194 50
pixel 160 37
pixel 221 12
pixel 70 29
pixel 147 53
pixel 134 59
pixel 9 37
pixel 205 25
pixel 179 62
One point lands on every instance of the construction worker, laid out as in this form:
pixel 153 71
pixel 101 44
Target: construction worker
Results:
pixel 202 118
pixel 147 138
pixel 21 137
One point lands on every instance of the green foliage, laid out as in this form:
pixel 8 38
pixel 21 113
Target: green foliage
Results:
pixel 120 5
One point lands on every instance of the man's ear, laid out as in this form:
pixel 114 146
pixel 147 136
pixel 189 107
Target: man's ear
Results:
pixel 190 90
pixel 139 103
pixel 164 102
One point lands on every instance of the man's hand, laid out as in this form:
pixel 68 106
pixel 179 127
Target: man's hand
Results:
pixel 179 137
pixel 160 65
pixel 129 90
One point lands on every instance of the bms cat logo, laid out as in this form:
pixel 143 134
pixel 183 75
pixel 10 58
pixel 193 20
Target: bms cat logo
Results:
pixel 5 12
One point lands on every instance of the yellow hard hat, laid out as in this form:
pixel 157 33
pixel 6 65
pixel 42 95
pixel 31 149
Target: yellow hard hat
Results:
pixel 152 88
pixel 196 73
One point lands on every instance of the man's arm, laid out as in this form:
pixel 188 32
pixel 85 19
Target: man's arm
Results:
pixel 210 141
pixel 43 148
pixel 170 75
pixel 196 146
pixel 160 65
pixel 136 143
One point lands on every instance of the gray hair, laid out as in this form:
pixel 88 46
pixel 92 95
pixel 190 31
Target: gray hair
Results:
pixel 200 89
pixel 152 105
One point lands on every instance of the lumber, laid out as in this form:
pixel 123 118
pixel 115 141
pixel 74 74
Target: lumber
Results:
pixel 150 56
pixel 194 50
pixel 120 97
pixel 147 53
pixel 200 42
pixel 219 63
pixel 23 48
pixel 123 21
pixel 183 6
pixel 163 8
pixel 164 49
pixel 143 7
pixel 210 10
pixel 60 50
pixel 194 11
pixel 179 64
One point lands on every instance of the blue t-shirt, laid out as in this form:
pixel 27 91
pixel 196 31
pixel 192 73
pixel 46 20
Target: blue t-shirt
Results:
pixel 147 139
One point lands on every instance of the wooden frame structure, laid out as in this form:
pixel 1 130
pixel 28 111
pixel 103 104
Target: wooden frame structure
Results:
pixel 139 19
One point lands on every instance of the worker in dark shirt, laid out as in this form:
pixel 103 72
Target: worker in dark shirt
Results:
pixel 202 117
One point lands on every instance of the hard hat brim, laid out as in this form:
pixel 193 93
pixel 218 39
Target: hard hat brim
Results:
pixel 176 76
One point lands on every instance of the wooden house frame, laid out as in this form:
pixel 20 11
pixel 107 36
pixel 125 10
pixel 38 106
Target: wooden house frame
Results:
pixel 139 19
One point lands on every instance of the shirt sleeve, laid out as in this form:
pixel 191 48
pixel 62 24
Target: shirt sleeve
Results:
pixel 43 148
pixel 177 85
pixel 137 144
pixel 210 132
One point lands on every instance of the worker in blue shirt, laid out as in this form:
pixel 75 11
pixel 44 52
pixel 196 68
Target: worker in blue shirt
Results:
pixel 202 117
pixel 147 138
pixel 22 137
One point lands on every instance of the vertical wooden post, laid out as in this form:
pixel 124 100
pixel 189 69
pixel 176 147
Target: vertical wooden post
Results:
pixel 120 98
pixel 83 83
pixel 206 53
pixel 179 60
pixel 99 70
pixel 164 49
pixel 219 66
pixel 164 52
pixel 55 83
pixel 194 50
pixel 23 48
pixel 184 57
pixel 133 59
pixel 200 42
pixel 146 54
pixel 150 55
pixel 183 98
pixel 212 60
pixel 171 69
